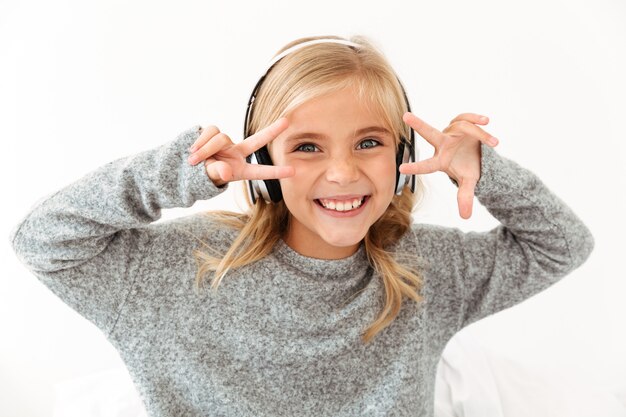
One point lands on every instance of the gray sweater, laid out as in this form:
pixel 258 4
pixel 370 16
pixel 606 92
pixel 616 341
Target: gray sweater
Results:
pixel 281 337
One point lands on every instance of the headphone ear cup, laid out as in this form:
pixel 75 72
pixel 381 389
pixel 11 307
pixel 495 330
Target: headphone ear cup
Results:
pixel 402 156
pixel 252 186
pixel 411 156
pixel 269 189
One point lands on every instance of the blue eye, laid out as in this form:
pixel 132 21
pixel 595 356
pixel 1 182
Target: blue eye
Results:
pixel 306 147
pixel 369 143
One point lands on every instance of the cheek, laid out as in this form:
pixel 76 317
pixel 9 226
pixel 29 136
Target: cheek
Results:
pixel 384 174
pixel 296 187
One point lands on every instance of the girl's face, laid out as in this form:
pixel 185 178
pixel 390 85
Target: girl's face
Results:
pixel 344 160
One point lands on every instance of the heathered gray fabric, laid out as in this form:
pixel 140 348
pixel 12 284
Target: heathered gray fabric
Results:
pixel 281 337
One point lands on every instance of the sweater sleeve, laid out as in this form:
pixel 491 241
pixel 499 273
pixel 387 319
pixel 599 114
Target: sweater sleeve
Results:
pixel 86 242
pixel 539 240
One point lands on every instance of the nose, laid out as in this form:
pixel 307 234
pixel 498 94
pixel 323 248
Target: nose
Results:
pixel 343 170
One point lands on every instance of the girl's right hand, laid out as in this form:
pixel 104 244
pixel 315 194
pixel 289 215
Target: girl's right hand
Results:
pixel 225 161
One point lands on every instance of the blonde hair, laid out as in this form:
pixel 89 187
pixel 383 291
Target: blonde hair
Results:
pixel 302 75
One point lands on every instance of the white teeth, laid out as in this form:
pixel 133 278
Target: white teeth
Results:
pixel 342 205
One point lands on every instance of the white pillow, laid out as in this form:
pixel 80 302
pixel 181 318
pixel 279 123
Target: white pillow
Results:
pixel 474 381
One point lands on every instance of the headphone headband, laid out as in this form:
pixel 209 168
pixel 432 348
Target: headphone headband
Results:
pixel 307 43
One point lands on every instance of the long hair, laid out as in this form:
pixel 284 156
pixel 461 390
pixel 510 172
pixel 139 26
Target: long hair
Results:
pixel 302 75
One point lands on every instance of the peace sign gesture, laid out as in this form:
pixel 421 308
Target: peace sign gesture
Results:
pixel 457 153
pixel 225 161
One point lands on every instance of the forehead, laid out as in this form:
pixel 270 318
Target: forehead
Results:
pixel 339 110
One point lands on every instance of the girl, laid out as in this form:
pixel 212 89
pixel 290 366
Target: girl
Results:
pixel 330 302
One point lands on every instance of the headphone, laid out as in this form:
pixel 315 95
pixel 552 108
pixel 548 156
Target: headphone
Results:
pixel 270 189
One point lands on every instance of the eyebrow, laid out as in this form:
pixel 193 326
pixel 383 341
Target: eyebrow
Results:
pixel 313 135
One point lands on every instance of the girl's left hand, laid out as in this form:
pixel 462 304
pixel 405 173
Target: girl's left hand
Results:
pixel 457 153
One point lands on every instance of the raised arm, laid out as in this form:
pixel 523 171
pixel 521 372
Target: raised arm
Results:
pixel 77 222
pixel 539 239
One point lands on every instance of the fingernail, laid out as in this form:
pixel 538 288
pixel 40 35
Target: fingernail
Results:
pixel 484 119
pixel 192 159
pixel 493 141
pixel 192 148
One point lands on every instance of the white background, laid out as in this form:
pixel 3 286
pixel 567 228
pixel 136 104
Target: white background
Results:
pixel 85 82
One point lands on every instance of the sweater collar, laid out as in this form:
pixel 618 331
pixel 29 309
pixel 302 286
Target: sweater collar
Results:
pixel 333 269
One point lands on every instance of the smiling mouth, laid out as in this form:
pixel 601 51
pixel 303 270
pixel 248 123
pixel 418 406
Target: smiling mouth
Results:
pixel 342 206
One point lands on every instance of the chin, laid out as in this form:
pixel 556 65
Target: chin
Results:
pixel 344 241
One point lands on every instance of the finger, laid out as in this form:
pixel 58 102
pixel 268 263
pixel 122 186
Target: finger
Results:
pixel 422 167
pixel 206 134
pixel 219 169
pixel 465 196
pixel 267 172
pixel 472 118
pixel 214 145
pixel 263 136
pixel 474 131
pixel 432 135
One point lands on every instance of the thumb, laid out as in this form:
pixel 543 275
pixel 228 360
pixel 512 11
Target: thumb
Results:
pixel 218 171
pixel 465 196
